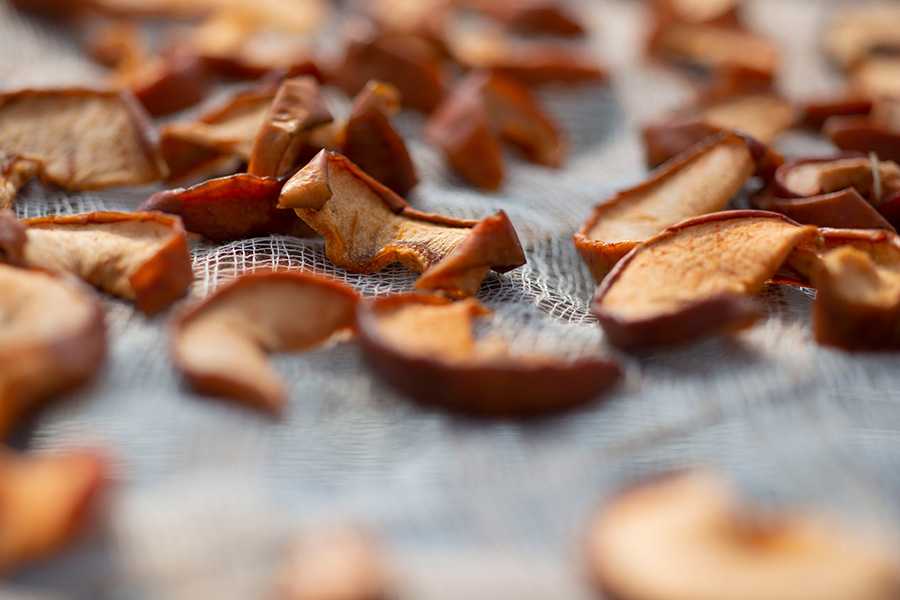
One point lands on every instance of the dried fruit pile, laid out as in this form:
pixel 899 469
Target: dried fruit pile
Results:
pixel 310 149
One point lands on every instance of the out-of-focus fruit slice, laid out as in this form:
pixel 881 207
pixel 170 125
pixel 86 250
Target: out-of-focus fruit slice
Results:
pixel 701 180
pixel 367 227
pixel 868 30
pixel 142 257
pixel 687 536
pixel 15 172
pixel 713 46
pixel 424 345
pixel 695 278
pixel 83 139
pixel 220 345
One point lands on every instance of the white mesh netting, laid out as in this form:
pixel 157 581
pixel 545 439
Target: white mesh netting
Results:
pixel 207 493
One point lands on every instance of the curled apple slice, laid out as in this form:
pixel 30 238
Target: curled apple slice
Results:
pixel 44 501
pixel 367 227
pixel 701 180
pixel 297 108
pixel 340 563
pixel 875 131
pixel 83 139
pixel 723 12
pixel 230 208
pixel 695 278
pixel 53 339
pixel 220 345
pixel 142 257
pixel 713 46
pixel 687 536
pixel 15 172
pixel 371 141
pixel 761 116
pixel 424 345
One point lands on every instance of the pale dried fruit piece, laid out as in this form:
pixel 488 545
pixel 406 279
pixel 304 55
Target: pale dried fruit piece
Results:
pixel 687 536
pixel 218 138
pixel 367 227
pixel 53 339
pixel 373 144
pixel 142 257
pixel 84 139
pixel 44 501
pixel 854 36
pixel 15 172
pixel 230 208
pixel 334 564
pixel 424 345
pixel 762 116
pixel 695 278
pixel 484 108
pixel 702 180
pixel 220 345
pixel 713 46
pixel 877 76
pixel 297 108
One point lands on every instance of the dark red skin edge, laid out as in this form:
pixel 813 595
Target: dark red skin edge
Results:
pixel 713 314
pixel 12 238
pixel 489 391
pixel 548 19
pixel 781 189
pixel 845 209
pixel 184 83
pixel 239 69
pixel 890 209
pixel 229 208
pixel 858 134
pixel 817 112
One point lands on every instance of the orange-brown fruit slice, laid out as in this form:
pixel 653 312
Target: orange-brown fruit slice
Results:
pixel 713 46
pixel 15 172
pixel 854 36
pixel 425 346
pixel 221 344
pixel 687 536
pixel 695 278
pixel 142 257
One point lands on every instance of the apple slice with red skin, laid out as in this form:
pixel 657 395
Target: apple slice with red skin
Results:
pixel 816 111
pixel 701 180
pixel 532 17
pixel 366 227
pixel 695 278
pixel 864 32
pixel 12 238
pixel 221 343
pixel 142 257
pixel 863 134
pixel 720 12
pixel 44 501
pixel 230 208
pixel 297 108
pixel 371 141
pixel 424 346
pixel 841 209
pixel 53 339
pixel 686 536
pixel 83 139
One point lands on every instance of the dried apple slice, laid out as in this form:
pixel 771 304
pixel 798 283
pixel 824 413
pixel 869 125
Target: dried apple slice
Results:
pixel 142 257
pixel 763 117
pixel 230 208
pixel 878 131
pixel 845 208
pixel 688 536
pixel 297 108
pixel 84 139
pixel 722 12
pixel 424 345
pixel 865 31
pixel 44 501
pixel 15 172
pixel 695 278
pixel 12 238
pixel 713 46
pixel 877 76
pixel 341 563
pixel 373 144
pixel 702 180
pixel 533 17
pixel 407 61
pixel 53 339
pixel 221 344
pixel 367 227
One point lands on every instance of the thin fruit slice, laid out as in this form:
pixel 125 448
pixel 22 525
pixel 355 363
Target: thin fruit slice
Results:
pixel 367 227
pixel 713 46
pixel 230 208
pixel 695 278
pixel 297 108
pixel 15 172
pixel 701 180
pixel 686 536
pixel 83 139
pixel 863 32
pixel 221 344
pixel 424 345
pixel 52 340
pixel 142 257
pixel 44 501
